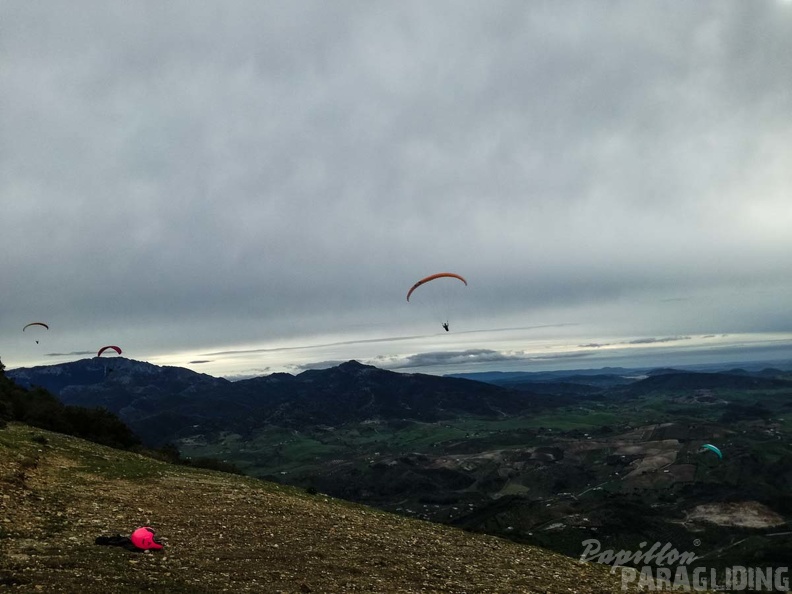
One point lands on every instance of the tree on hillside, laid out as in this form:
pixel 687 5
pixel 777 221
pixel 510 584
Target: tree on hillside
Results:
pixel 39 408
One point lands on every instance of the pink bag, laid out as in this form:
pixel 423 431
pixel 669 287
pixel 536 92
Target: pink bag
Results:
pixel 143 538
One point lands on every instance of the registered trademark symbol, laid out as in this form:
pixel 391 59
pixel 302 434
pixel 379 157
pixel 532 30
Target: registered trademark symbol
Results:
pixel 696 542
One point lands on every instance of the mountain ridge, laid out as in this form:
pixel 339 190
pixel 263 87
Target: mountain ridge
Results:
pixel 165 403
pixel 159 411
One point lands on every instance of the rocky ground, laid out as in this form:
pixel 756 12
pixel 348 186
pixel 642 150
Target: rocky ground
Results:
pixel 744 514
pixel 225 533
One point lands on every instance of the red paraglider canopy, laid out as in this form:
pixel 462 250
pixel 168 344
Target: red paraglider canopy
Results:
pixel 104 348
pixel 432 277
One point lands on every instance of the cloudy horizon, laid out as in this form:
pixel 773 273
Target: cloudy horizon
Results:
pixel 247 187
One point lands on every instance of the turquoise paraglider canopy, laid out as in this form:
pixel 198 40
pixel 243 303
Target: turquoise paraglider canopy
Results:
pixel 709 446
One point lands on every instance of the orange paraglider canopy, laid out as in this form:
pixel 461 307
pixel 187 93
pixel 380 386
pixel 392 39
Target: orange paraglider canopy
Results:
pixel 431 277
pixel 103 349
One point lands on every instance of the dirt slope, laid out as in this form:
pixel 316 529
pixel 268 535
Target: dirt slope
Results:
pixel 225 533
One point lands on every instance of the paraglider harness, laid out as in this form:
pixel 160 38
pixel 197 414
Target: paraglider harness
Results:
pixel 140 540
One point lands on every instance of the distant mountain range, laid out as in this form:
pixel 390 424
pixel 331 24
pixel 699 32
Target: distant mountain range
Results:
pixel 607 376
pixel 163 403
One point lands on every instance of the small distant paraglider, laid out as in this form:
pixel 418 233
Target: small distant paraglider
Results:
pixel 108 347
pixel 35 324
pixel 712 448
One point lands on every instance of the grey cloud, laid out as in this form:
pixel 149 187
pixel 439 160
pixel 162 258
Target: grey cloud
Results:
pixel 224 176
pixel 471 357
pixel 316 365
pixel 657 340
pixel 317 346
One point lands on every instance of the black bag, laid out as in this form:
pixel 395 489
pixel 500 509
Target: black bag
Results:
pixel 117 541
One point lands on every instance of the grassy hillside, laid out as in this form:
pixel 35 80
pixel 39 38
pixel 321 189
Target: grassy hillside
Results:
pixel 230 533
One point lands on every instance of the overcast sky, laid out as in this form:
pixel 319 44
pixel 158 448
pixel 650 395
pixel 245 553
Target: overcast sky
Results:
pixel 243 187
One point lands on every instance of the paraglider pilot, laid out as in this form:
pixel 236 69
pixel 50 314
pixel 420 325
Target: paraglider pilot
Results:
pixel 445 326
